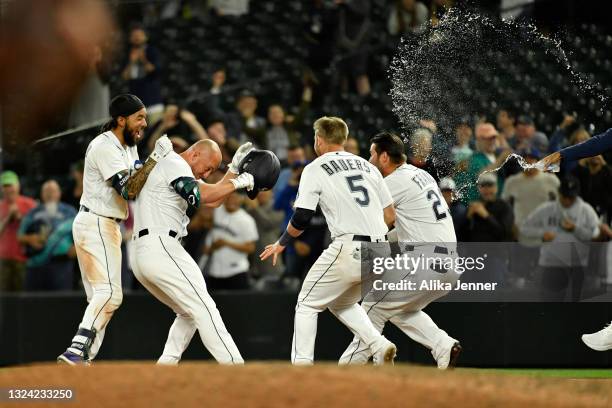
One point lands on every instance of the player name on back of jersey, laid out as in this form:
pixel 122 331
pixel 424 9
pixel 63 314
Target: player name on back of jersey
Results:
pixel 423 179
pixel 338 165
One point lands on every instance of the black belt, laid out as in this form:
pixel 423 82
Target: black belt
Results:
pixel 437 249
pixel 85 209
pixel 144 232
pixel 366 238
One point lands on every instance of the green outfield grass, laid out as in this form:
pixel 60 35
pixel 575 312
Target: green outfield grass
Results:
pixel 555 372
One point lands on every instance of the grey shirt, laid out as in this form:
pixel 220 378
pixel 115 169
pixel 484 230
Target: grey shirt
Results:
pixel 569 248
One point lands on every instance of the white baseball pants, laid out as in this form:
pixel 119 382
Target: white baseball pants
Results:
pixel 166 270
pixel 97 241
pixel 407 316
pixel 333 282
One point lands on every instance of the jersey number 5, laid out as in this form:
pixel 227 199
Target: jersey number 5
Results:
pixel 352 181
pixel 437 203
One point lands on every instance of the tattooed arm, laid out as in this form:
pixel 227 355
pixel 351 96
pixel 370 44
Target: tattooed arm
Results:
pixel 138 179
pixel 128 186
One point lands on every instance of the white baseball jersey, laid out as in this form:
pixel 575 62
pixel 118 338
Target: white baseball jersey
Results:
pixel 104 158
pixel 421 213
pixel 238 227
pixel 350 191
pixel 159 206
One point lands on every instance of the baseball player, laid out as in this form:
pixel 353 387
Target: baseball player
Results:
pixel 601 340
pixel 358 208
pixel 423 219
pixel 109 180
pixel 172 193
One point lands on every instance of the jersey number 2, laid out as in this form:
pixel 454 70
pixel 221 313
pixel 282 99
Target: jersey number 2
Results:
pixel 356 188
pixel 437 203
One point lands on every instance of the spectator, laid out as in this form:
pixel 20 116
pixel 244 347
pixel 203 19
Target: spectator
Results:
pixel 578 136
pixel 569 223
pixel 216 131
pixel 46 235
pixel 308 246
pixel 91 104
pixel 74 190
pixel 175 122
pixel 229 243
pixel 13 208
pixel 407 16
pixel 527 136
pixel 198 228
pixel 561 137
pixel 595 179
pixel 295 157
pixel 179 145
pixel 352 36
pixel 506 119
pixel 439 9
pixel 320 30
pixel 218 80
pixel 420 152
pixel 268 221
pixel 525 191
pixel 283 201
pixel 280 134
pixel 352 146
pixel 490 218
pixel 462 150
pixel 485 158
pixel 457 209
pixel 141 71
pixel 244 124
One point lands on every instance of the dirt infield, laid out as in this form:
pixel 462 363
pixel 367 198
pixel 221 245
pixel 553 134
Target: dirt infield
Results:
pixel 135 384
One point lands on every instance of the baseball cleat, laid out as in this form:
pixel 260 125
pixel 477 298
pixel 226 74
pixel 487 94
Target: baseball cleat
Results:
pixel 449 358
pixel 385 354
pixel 73 359
pixel 601 340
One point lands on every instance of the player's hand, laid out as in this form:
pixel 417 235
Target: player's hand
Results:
pixel 549 162
pixel 163 146
pixel 274 250
pixel 245 180
pixel 548 236
pixel 239 155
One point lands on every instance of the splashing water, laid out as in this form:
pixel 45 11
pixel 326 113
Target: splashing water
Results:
pixel 524 165
pixel 469 64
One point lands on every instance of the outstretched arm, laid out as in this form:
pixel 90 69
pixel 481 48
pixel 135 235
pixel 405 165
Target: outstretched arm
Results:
pixel 297 225
pixel 589 148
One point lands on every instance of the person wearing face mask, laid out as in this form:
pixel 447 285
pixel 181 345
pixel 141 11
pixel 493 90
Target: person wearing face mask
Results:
pixel 46 235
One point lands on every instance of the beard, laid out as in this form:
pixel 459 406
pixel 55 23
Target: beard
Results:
pixel 130 135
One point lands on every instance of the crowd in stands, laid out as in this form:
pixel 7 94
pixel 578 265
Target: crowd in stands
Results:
pixel 36 248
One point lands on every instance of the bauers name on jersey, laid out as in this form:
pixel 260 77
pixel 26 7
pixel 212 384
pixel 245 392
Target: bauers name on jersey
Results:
pixel 338 165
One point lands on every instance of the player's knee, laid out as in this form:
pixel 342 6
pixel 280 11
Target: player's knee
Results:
pixel 306 308
pixel 115 300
